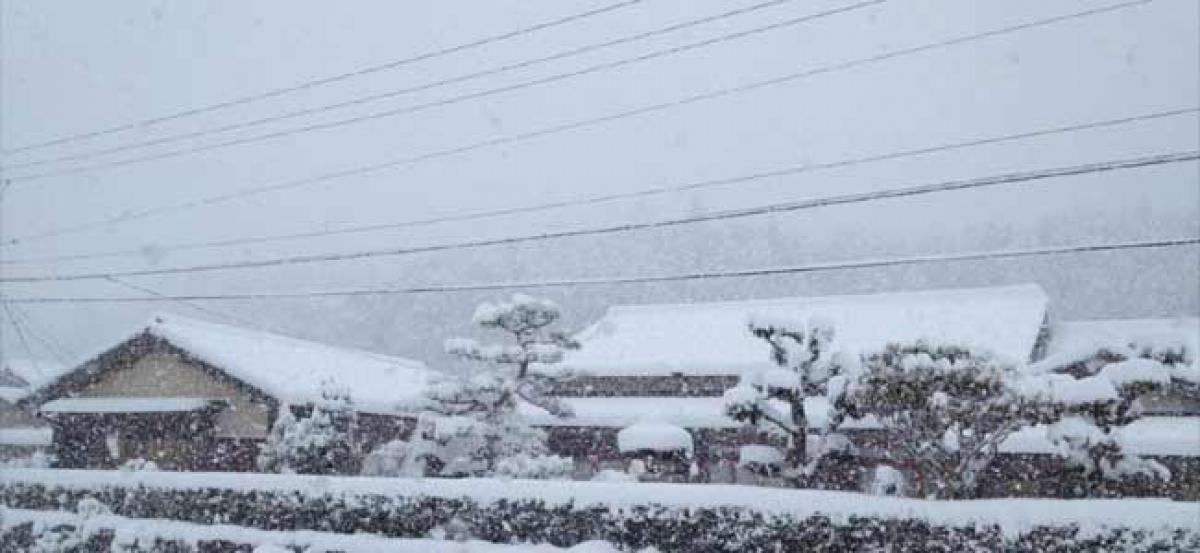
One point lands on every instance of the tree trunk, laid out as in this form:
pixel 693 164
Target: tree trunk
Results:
pixel 798 453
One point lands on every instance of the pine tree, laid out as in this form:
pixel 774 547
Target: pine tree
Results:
pixel 948 408
pixel 804 364
pixel 471 424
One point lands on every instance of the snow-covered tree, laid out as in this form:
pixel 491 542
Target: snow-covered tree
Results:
pixel 319 442
pixel 472 424
pixel 804 364
pixel 948 408
pixel 1084 405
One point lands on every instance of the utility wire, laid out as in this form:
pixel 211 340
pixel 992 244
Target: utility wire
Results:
pixel 445 101
pixel 416 88
pixel 330 79
pixel 578 124
pixel 606 198
pixel 943 186
pixel 706 275
pixel 60 353
pixel 12 319
pixel 198 307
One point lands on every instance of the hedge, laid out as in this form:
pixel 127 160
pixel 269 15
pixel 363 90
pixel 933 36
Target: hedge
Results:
pixel 667 528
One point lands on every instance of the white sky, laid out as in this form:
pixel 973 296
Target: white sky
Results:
pixel 70 67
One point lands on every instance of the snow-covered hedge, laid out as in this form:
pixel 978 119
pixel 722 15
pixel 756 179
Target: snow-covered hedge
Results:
pixel 53 531
pixel 668 517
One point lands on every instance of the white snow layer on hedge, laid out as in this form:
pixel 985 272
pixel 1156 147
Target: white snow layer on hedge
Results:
pixel 654 436
pixel 1012 516
pixel 132 531
pixel 712 338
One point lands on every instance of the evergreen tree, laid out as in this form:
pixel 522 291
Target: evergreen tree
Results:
pixel 472 424
pixel 804 364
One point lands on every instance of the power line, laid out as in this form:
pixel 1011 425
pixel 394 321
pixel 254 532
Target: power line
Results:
pixel 605 198
pixel 305 85
pixel 204 309
pixel 579 124
pixel 448 101
pixel 12 319
pixel 944 186
pixel 360 100
pixel 770 271
pixel 60 353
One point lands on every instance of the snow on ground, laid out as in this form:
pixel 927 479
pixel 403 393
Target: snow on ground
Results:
pixel 26 436
pixel 1013 516
pixel 132 530
pixel 712 338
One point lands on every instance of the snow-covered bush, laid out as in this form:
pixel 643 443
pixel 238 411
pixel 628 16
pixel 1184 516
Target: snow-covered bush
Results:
pixel 1081 406
pixel 316 443
pixel 804 363
pixel 542 467
pixel 949 409
pixel 394 459
pixel 138 464
pixel 471 424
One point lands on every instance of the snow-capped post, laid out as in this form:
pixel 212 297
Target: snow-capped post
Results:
pixel 804 364
pixel 472 422
pixel 949 408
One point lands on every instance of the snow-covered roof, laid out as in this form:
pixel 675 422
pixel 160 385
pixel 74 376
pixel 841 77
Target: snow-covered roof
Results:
pixel 688 412
pixel 1176 436
pixel 712 338
pixel 125 405
pixel 294 370
pixel 654 436
pixel 19 377
pixel 1074 341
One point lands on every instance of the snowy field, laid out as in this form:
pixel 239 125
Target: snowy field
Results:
pixel 1012 516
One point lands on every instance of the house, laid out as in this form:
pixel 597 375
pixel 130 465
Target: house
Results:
pixel 22 433
pixel 671 363
pixel 1168 432
pixel 195 395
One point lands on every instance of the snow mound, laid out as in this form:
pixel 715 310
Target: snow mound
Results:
pixel 654 436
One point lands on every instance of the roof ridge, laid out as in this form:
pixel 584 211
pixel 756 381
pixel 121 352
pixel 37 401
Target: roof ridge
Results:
pixel 1029 286
pixel 164 318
